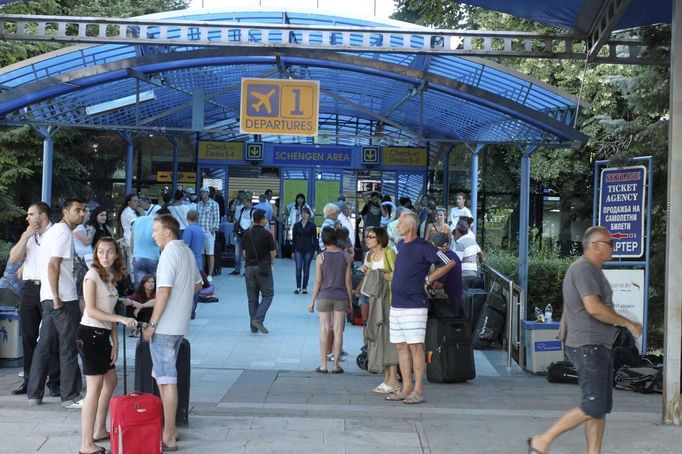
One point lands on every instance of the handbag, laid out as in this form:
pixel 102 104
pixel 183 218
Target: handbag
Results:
pixel 264 268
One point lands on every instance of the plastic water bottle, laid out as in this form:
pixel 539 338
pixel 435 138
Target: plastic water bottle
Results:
pixel 539 316
pixel 548 313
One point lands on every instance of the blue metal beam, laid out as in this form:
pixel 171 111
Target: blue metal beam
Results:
pixel 473 200
pixel 524 212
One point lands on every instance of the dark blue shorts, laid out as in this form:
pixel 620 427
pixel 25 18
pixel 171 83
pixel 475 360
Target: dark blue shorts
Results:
pixel 594 364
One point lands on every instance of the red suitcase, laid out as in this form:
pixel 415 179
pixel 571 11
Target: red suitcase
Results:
pixel 136 424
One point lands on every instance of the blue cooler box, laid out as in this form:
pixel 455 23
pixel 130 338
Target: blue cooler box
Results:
pixel 10 340
pixel 541 345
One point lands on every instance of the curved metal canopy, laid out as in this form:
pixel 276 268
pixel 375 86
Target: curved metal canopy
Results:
pixel 365 97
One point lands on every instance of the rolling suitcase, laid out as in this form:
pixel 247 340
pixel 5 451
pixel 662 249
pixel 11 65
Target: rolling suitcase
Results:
pixel 136 424
pixel 144 381
pixel 474 299
pixel 490 325
pixel 449 355
pixel 136 419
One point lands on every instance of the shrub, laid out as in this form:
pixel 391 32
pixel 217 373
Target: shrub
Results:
pixel 545 275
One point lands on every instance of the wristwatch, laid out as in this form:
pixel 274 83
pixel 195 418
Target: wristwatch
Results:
pixel 151 324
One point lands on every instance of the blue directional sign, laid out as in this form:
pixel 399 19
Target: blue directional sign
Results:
pixel 622 210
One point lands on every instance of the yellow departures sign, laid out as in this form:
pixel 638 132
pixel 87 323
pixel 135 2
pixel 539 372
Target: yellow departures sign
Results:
pixel 286 107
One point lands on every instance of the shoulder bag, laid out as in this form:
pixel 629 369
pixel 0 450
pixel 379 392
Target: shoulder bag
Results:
pixel 264 268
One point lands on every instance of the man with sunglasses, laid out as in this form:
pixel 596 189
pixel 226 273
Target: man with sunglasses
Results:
pixel 587 330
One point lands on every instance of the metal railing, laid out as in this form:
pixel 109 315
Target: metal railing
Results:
pixel 516 310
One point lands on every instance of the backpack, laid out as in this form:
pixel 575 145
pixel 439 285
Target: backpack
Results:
pixel 562 372
pixel 645 380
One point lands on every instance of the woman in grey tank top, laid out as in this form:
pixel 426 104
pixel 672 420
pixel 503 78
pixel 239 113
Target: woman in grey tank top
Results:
pixel 332 293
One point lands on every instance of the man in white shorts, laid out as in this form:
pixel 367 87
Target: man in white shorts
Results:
pixel 209 218
pixel 407 323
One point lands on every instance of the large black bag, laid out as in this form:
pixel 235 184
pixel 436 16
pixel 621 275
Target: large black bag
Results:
pixel 490 324
pixel 473 300
pixel 562 372
pixel 449 355
pixel 645 380
pixel 144 382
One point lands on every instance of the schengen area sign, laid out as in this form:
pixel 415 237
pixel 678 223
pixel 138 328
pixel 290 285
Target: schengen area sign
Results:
pixel 286 107
pixel 622 210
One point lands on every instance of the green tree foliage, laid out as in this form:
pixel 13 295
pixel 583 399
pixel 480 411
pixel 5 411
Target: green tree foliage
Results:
pixel 624 111
pixel 74 169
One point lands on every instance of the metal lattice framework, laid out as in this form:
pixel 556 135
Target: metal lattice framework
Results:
pixel 336 38
pixel 375 88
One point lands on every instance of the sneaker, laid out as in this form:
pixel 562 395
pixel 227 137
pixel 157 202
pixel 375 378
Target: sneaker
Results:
pixel 305 291
pixel 234 273
pixel 297 291
pixel 209 278
pixel 259 325
pixel 75 404
pixel 20 390
pixel 34 402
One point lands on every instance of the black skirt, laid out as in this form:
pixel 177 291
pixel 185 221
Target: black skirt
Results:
pixel 94 347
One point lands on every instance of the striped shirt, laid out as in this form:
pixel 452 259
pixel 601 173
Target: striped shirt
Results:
pixel 467 250
pixel 412 265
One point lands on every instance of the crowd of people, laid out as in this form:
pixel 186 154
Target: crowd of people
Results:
pixel 67 276
pixel 165 256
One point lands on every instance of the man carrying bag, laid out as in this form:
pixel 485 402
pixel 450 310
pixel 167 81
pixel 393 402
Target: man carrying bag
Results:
pixel 260 252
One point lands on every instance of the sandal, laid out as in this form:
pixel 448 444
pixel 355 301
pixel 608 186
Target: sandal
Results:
pixel 395 395
pixel 531 449
pixel 384 389
pixel 413 398
pixel 99 451
pixel 321 371
pixel 168 448
pixel 337 371
pixel 106 437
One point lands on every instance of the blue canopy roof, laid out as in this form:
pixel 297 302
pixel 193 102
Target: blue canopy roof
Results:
pixel 365 97
pixel 578 15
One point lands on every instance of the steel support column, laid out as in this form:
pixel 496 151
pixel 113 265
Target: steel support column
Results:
pixel 446 178
pixel 176 159
pixel 473 199
pixel 524 204
pixel 127 136
pixel 48 155
pixel 673 258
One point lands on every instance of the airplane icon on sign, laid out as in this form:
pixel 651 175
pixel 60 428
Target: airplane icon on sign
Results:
pixel 263 101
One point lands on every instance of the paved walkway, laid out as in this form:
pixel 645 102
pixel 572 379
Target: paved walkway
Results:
pixel 252 393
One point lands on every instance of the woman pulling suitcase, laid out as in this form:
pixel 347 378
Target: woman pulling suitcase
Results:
pixel 97 326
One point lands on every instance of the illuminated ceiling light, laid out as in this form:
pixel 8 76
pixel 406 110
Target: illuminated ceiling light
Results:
pixel 120 103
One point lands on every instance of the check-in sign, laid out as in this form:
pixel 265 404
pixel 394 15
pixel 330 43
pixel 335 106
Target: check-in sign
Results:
pixel 286 107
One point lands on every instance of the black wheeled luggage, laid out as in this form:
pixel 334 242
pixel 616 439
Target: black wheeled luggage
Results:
pixel 449 354
pixel 474 299
pixel 144 382
pixel 491 322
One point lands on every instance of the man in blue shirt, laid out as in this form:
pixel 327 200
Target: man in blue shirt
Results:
pixel 194 236
pixel 412 276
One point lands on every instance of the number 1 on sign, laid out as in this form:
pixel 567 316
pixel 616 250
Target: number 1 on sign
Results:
pixel 297 102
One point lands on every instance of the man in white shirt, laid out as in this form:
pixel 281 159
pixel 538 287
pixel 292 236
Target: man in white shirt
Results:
pixel 61 311
pixel 242 222
pixel 458 211
pixel 30 312
pixel 145 203
pixel 177 280
pixel 128 215
pixel 345 220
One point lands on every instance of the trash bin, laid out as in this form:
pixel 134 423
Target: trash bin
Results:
pixel 10 340
pixel 541 345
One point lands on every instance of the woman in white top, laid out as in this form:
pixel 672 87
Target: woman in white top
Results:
pixel 82 239
pixel 98 324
